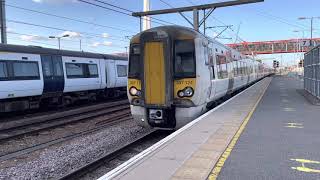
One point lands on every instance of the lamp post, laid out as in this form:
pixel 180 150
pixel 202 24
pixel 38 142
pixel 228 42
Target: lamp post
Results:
pixel 311 27
pixel 299 46
pixel 59 38
pixel 126 51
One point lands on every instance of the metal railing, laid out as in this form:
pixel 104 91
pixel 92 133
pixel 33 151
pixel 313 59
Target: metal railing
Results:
pixel 312 71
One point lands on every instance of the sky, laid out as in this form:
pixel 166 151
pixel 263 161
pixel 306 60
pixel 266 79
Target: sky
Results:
pixel 105 31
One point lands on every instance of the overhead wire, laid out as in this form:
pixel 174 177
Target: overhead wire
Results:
pixel 128 10
pixel 166 3
pixel 155 20
pixel 62 29
pixel 191 2
pixel 276 18
pixel 68 18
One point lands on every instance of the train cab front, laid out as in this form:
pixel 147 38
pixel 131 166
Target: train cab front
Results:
pixel 161 71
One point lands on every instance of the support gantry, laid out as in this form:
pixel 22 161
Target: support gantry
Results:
pixel 195 9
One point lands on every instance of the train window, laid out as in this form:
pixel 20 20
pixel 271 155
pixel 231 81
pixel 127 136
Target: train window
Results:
pixel 122 70
pixel 222 67
pixel 26 70
pixel 238 68
pixel 135 50
pixel 211 61
pixel 213 74
pixel 134 62
pixel 245 68
pixel 3 71
pixel 93 70
pixel 235 68
pixel 184 61
pixel 75 70
pixel 46 68
pixel 58 71
pixel 242 68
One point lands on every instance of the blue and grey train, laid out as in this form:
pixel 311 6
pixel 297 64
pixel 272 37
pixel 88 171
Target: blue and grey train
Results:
pixel 175 73
pixel 30 76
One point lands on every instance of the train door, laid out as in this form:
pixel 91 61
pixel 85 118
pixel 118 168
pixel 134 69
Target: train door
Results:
pixel 211 66
pixel 154 73
pixel 112 73
pixel 52 74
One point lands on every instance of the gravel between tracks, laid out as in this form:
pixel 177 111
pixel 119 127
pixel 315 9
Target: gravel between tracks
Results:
pixel 59 159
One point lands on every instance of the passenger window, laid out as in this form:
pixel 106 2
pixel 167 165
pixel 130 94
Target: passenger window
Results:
pixel 26 70
pixel 122 70
pixel 235 68
pixel 57 66
pixel 47 68
pixel 211 57
pixel 93 70
pixel 213 74
pixel 242 68
pixel 184 62
pixel 3 71
pixel 222 67
pixel 245 68
pixel 75 70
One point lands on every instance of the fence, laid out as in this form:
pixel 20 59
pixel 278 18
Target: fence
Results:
pixel 312 71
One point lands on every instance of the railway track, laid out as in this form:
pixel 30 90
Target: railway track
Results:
pixel 121 154
pixel 44 111
pixel 30 149
pixel 18 128
pixel 90 120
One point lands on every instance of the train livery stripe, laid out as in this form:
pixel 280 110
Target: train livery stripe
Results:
pixel 154 73
pixel 134 83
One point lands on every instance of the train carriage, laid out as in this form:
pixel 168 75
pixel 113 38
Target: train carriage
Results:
pixel 30 76
pixel 175 73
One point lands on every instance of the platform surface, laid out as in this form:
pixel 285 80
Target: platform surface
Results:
pixel 283 134
pixel 269 131
pixel 192 151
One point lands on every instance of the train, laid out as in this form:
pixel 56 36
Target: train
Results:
pixel 176 74
pixel 31 76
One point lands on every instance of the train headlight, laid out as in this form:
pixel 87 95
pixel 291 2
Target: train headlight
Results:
pixel 181 94
pixel 186 92
pixel 134 91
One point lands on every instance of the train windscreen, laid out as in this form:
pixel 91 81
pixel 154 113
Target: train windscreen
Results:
pixel 134 62
pixel 184 61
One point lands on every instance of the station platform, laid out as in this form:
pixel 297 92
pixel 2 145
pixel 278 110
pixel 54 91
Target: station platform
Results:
pixel 268 131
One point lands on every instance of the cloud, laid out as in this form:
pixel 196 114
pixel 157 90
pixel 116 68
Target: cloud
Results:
pixel 71 34
pixel 215 34
pixel 10 30
pixel 106 43
pixel 54 1
pixel 105 35
pixel 33 38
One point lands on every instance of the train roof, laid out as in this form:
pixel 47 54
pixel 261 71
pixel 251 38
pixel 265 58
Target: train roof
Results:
pixel 183 33
pixel 42 50
pixel 179 32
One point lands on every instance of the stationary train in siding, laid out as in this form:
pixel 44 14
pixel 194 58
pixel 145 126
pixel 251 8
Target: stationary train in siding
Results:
pixel 30 76
pixel 175 74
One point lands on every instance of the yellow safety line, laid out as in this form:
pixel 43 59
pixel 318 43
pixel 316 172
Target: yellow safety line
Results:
pixel 217 168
